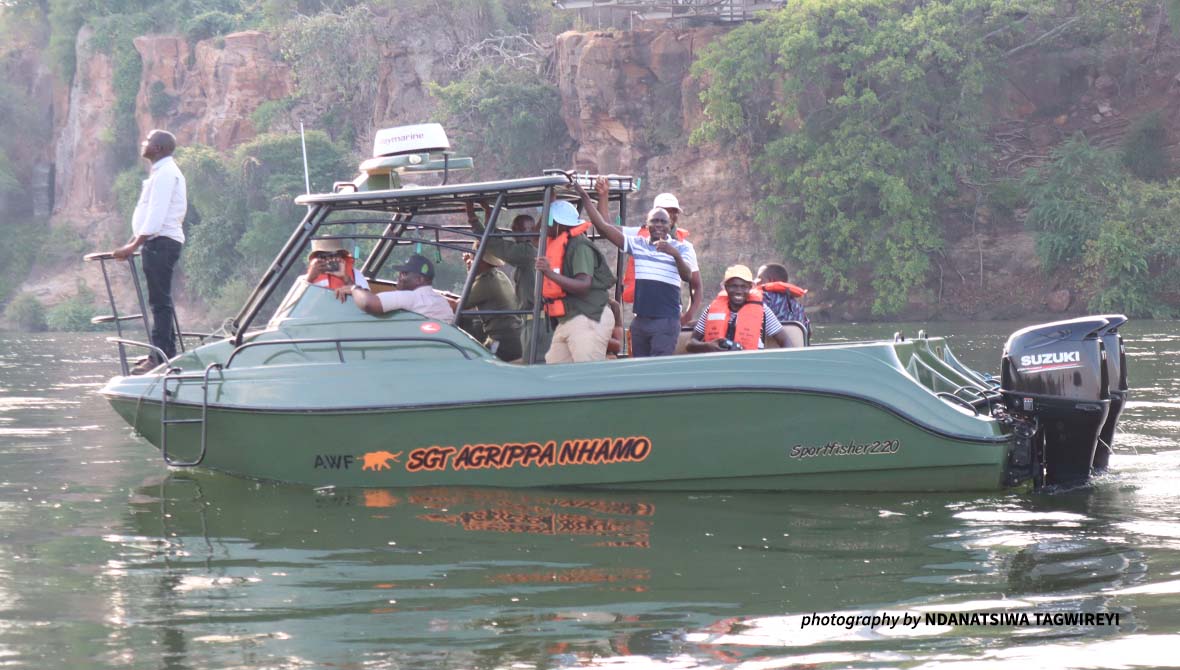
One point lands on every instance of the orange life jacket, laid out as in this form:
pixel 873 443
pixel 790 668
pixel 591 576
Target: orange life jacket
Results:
pixel 555 253
pixel 629 273
pixel 335 282
pixel 748 330
pixel 783 287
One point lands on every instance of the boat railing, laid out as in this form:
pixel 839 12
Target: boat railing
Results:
pixel 118 319
pixel 980 397
pixel 340 341
pixel 125 342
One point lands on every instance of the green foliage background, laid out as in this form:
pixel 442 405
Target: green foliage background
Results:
pixel 867 123
pixel 866 119
pixel 509 117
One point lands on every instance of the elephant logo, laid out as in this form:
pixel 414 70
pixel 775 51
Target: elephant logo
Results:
pixel 380 460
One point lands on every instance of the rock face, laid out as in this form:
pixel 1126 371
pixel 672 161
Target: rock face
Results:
pixel 630 104
pixel 208 93
pixel 85 169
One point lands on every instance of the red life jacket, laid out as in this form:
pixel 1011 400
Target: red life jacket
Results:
pixel 555 253
pixel 629 273
pixel 335 282
pixel 783 287
pixel 748 330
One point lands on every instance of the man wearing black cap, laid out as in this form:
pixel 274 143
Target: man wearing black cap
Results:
pixel 414 293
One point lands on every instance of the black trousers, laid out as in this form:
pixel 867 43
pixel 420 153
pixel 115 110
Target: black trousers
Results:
pixel 160 255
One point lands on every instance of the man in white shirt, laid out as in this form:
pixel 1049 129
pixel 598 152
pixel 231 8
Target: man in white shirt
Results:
pixel 415 293
pixel 669 203
pixel 156 227
pixel 660 266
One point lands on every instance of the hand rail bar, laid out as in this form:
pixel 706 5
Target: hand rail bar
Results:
pixel 956 399
pixel 341 340
pixel 134 343
pixel 102 257
pixel 982 396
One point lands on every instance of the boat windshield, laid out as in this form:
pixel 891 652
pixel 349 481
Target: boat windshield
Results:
pixel 383 228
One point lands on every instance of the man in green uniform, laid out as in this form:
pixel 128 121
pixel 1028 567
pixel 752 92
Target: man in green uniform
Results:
pixel 576 286
pixel 492 291
pixel 521 254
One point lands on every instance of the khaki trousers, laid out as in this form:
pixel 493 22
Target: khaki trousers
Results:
pixel 580 339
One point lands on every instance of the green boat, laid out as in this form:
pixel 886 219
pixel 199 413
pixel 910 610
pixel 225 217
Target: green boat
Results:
pixel 326 395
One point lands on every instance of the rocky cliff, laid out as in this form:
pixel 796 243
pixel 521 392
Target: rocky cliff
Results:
pixel 629 104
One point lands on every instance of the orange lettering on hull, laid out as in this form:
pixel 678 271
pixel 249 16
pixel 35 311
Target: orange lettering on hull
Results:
pixel 590 451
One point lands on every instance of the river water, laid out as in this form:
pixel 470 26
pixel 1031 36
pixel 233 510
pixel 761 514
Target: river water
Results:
pixel 109 560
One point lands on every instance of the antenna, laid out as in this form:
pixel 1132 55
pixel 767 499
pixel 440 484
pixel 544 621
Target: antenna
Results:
pixel 306 175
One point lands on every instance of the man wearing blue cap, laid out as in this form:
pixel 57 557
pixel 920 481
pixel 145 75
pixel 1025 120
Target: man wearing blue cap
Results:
pixel 415 293
pixel 576 281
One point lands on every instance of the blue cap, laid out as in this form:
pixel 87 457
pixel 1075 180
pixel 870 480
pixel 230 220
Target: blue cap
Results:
pixel 564 213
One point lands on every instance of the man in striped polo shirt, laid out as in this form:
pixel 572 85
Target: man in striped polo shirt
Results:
pixel 660 267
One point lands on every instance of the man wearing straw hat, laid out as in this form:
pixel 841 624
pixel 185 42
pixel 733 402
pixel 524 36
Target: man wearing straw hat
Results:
pixel 492 291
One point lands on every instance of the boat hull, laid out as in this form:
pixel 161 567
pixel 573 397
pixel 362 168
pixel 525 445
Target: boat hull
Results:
pixel 730 439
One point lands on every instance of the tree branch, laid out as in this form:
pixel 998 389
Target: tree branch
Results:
pixel 1043 36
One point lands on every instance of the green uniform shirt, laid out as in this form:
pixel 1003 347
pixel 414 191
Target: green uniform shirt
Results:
pixel 522 256
pixel 493 291
pixel 582 258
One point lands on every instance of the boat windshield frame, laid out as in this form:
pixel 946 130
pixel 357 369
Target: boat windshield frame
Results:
pixel 400 209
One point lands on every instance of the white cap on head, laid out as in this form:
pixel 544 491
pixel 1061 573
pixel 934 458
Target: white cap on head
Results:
pixel 326 245
pixel 564 213
pixel 666 201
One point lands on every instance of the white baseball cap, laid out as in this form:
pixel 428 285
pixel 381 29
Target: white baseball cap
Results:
pixel 564 213
pixel 666 201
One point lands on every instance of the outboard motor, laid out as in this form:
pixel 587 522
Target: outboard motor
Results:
pixel 1057 374
pixel 1116 371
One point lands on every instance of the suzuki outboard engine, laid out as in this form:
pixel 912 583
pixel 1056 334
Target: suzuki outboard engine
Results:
pixel 1116 371
pixel 1058 374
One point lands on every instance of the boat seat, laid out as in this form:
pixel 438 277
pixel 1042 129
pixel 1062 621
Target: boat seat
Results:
pixel 796 334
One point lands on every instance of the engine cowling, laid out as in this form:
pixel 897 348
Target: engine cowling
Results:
pixel 1116 367
pixel 1060 374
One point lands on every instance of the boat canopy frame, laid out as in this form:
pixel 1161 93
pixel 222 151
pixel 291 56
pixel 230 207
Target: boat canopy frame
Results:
pixel 404 206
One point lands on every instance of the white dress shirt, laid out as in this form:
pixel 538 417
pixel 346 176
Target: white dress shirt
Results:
pixel 423 300
pixel 162 202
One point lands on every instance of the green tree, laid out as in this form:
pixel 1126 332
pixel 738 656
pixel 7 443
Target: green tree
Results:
pixel 1070 196
pixel 74 313
pixel 1134 257
pixel 271 176
pixel 334 58
pixel 26 313
pixel 865 116
pixel 509 118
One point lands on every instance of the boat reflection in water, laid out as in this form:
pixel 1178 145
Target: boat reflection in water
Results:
pixel 513 575
pixel 465 577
